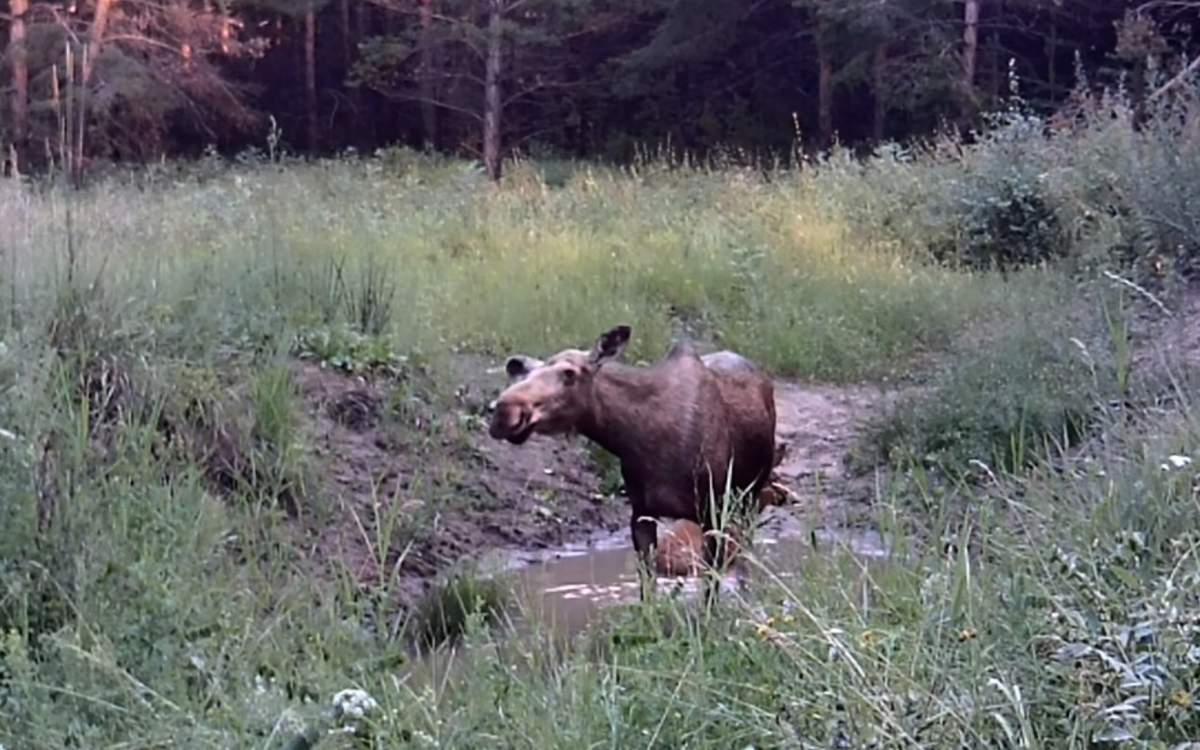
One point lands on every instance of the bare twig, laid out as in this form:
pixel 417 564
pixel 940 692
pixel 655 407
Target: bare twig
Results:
pixel 1140 290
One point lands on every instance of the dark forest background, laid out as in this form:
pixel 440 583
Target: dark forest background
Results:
pixel 141 80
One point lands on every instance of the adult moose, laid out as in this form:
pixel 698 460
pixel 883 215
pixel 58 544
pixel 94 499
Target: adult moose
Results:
pixel 682 428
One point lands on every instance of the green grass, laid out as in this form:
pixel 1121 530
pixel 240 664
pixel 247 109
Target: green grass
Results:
pixel 251 256
pixel 154 591
pixel 1017 386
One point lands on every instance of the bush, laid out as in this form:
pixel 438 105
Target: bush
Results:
pixel 998 213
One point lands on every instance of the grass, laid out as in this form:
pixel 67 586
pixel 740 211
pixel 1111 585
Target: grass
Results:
pixel 253 256
pixel 154 589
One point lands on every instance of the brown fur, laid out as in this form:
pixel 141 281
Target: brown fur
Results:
pixel 680 548
pixel 675 426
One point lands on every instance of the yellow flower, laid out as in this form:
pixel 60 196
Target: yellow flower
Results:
pixel 1181 698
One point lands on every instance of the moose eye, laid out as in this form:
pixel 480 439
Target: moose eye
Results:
pixel 568 377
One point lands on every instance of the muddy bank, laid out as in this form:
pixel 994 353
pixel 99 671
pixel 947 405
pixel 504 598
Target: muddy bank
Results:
pixel 432 487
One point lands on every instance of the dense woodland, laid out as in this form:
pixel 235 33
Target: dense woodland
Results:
pixel 585 78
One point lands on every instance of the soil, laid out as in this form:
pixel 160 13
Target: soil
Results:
pixel 463 497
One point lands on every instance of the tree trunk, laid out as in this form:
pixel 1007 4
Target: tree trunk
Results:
pixel 970 53
pixel 878 67
pixel 347 35
pixel 310 76
pixel 491 91
pixel 428 72
pixel 1051 56
pixel 364 108
pixel 20 72
pixel 96 38
pixel 824 91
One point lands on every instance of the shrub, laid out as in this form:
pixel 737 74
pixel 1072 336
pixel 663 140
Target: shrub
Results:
pixel 998 213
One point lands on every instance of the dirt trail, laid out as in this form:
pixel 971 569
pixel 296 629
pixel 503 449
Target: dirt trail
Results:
pixel 819 424
pixel 466 497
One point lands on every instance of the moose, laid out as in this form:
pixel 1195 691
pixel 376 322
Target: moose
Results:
pixel 684 429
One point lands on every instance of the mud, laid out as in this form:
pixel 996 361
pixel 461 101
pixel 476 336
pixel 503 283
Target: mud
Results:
pixel 432 487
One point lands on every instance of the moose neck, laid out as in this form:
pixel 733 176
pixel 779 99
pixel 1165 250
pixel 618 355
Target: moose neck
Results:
pixel 627 404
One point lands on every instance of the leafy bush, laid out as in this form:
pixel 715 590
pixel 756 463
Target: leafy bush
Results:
pixel 998 213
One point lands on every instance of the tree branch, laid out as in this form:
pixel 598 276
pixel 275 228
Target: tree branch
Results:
pixel 441 103
pixel 1175 80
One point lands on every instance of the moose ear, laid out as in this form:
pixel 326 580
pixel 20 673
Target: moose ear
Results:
pixel 610 345
pixel 519 367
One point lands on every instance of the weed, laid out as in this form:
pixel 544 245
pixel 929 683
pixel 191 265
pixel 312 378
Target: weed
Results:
pixel 350 351
pixel 277 471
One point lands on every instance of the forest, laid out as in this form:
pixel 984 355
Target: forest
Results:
pixel 485 79
pixel 332 351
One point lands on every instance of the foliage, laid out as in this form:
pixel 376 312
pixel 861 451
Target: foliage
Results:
pixel 443 615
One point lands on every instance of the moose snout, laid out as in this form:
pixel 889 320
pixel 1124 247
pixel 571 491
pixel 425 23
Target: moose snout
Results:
pixel 509 419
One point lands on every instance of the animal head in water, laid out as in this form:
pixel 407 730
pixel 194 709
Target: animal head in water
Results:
pixel 551 397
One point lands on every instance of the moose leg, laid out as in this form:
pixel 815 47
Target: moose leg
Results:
pixel 645 537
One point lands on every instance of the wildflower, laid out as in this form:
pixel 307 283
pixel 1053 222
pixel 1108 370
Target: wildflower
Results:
pixel 967 634
pixel 290 722
pixel 1175 462
pixel 353 703
pixel 1181 698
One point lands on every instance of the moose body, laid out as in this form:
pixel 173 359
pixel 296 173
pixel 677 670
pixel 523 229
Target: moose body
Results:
pixel 683 429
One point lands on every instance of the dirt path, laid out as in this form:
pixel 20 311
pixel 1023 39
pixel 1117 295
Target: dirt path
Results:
pixel 819 425
pixel 440 492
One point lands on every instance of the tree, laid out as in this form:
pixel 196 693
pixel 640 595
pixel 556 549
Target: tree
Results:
pixel 489 40
pixel 143 68
pixel 19 59
pixel 427 74
pixel 970 53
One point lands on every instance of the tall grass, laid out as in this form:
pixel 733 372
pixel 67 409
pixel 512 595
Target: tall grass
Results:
pixel 446 262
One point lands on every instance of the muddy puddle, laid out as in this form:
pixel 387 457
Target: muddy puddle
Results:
pixel 568 588
pixel 559 593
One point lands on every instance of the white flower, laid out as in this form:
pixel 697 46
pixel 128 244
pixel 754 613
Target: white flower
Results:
pixel 1175 462
pixel 353 703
